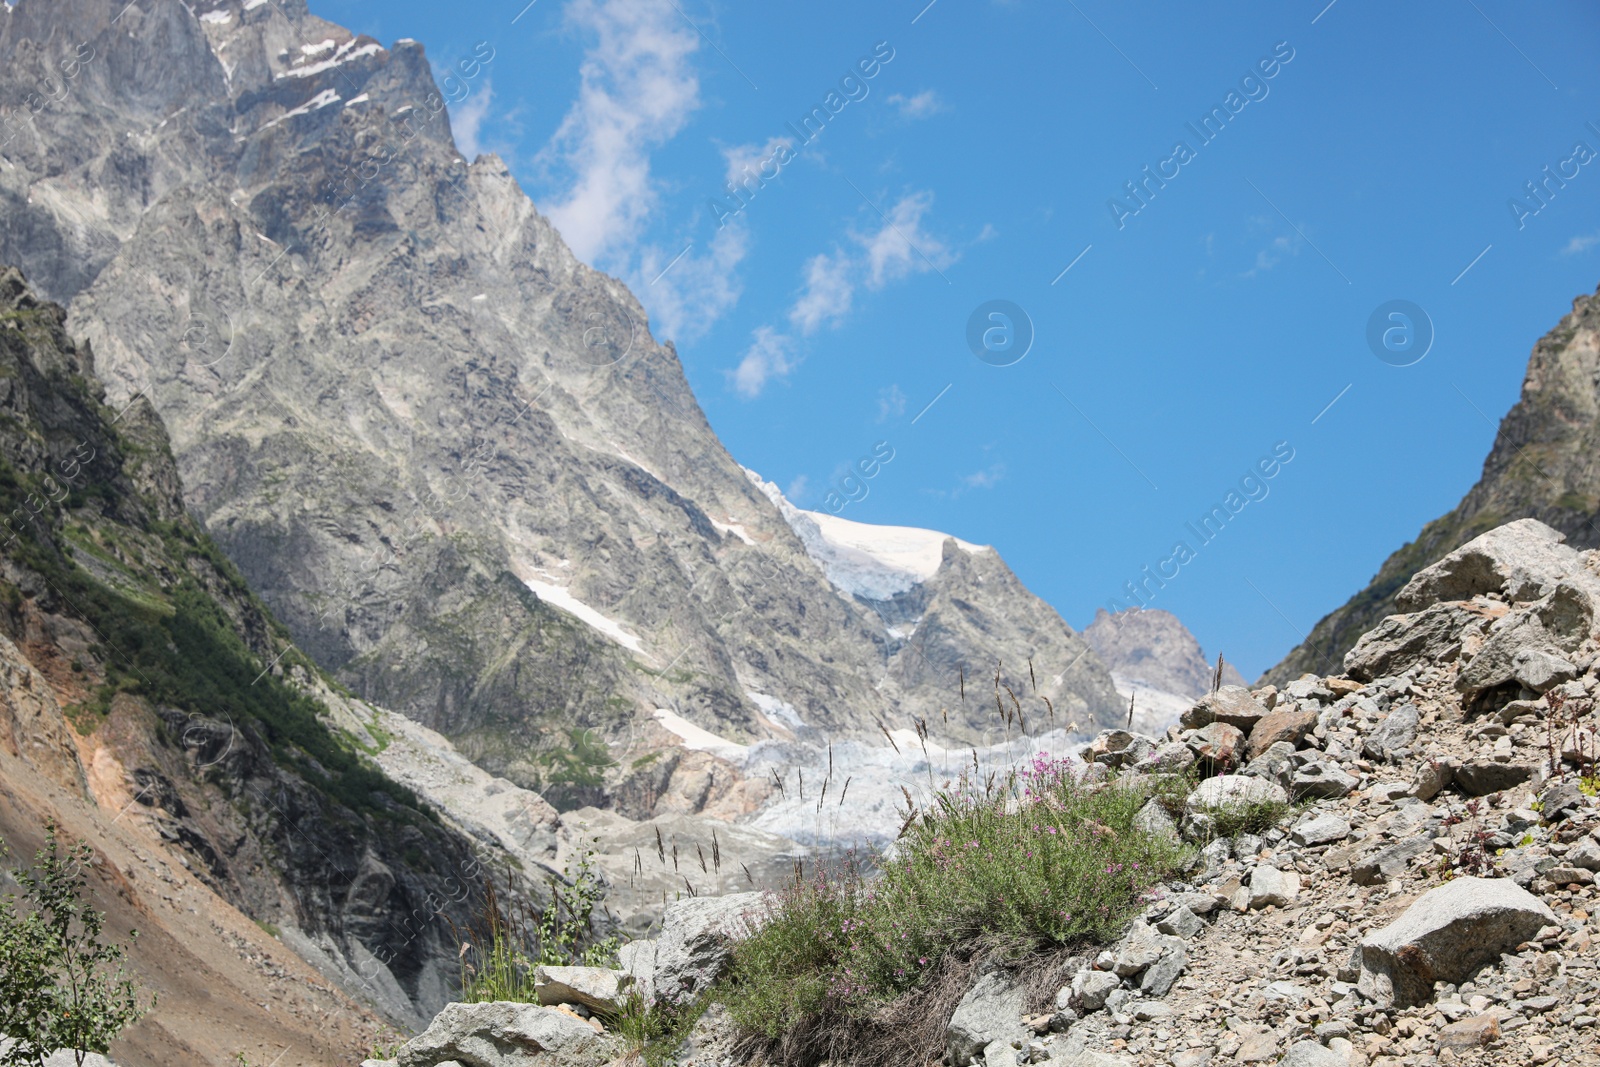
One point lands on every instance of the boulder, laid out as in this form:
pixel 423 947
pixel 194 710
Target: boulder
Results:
pixel 1291 727
pixel 1470 1033
pixel 1519 561
pixel 1445 936
pixel 1153 819
pixel 1519 634
pixel 599 989
pixel 1542 671
pixel 1431 776
pixel 1169 757
pixel 1233 791
pixel 694 945
pixel 1277 763
pixel 1181 922
pixel 1089 990
pixel 1312 1054
pixel 991 1011
pixel 1219 742
pixel 1390 862
pixel 1268 885
pixel 1401 641
pixel 1231 704
pixel 1396 732
pixel 1480 777
pixel 503 1034
pixel 1320 830
pixel 1323 780
pixel 1585 854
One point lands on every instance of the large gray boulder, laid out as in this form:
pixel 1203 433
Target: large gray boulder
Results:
pixel 1312 1054
pixel 504 1034
pixel 696 940
pixel 1519 561
pixel 1446 936
pixel 991 1011
pixel 1432 635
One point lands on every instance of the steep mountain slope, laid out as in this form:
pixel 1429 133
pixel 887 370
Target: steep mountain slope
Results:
pixel 1543 465
pixel 147 699
pixel 447 454
pixel 1156 661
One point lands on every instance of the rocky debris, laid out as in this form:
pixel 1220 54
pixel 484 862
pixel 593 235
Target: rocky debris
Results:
pixel 599 989
pixel 506 1034
pixel 989 1014
pixel 695 940
pixel 1434 901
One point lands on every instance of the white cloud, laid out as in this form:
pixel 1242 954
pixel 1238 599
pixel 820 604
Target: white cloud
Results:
pixel 1276 251
pixel 919 106
pixel 698 289
pixel 827 294
pixel 637 90
pixel 891 403
pixel 466 121
pixel 797 489
pixel 901 247
pixel 987 478
pixel 749 158
pixel 769 356
pixel 1581 244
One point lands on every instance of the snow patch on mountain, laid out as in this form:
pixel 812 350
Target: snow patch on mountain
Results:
pixel 557 596
pixel 863 559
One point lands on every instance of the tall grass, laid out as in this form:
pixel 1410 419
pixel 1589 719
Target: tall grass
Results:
pixel 1033 861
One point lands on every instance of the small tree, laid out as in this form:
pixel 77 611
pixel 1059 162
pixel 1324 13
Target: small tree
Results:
pixel 60 987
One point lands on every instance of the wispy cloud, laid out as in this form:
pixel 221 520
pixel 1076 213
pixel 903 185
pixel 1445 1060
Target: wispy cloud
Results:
pixel 899 246
pixel 891 403
pixel 697 290
pixel 638 88
pixel 827 294
pixel 918 106
pixel 798 489
pixel 1580 244
pixel 987 478
pixel 466 121
pixel 769 356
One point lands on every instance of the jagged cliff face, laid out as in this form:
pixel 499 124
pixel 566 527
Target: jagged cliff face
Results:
pixel 451 457
pixel 1155 662
pixel 1543 465
pixel 140 677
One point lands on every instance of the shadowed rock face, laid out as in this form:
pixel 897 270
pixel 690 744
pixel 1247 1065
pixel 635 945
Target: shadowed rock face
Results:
pixel 450 456
pixel 189 711
pixel 1541 467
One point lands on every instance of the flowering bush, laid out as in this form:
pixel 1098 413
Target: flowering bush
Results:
pixel 1037 859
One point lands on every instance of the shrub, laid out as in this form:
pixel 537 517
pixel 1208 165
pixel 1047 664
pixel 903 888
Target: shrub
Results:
pixel 1040 861
pixel 507 943
pixel 60 986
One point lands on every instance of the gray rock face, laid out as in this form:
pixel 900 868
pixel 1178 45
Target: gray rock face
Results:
pixel 693 948
pixel 638 958
pixel 1540 670
pixel 503 1034
pixel 1445 936
pixel 991 1011
pixel 430 437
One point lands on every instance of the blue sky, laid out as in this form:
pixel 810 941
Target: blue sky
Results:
pixel 1198 326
